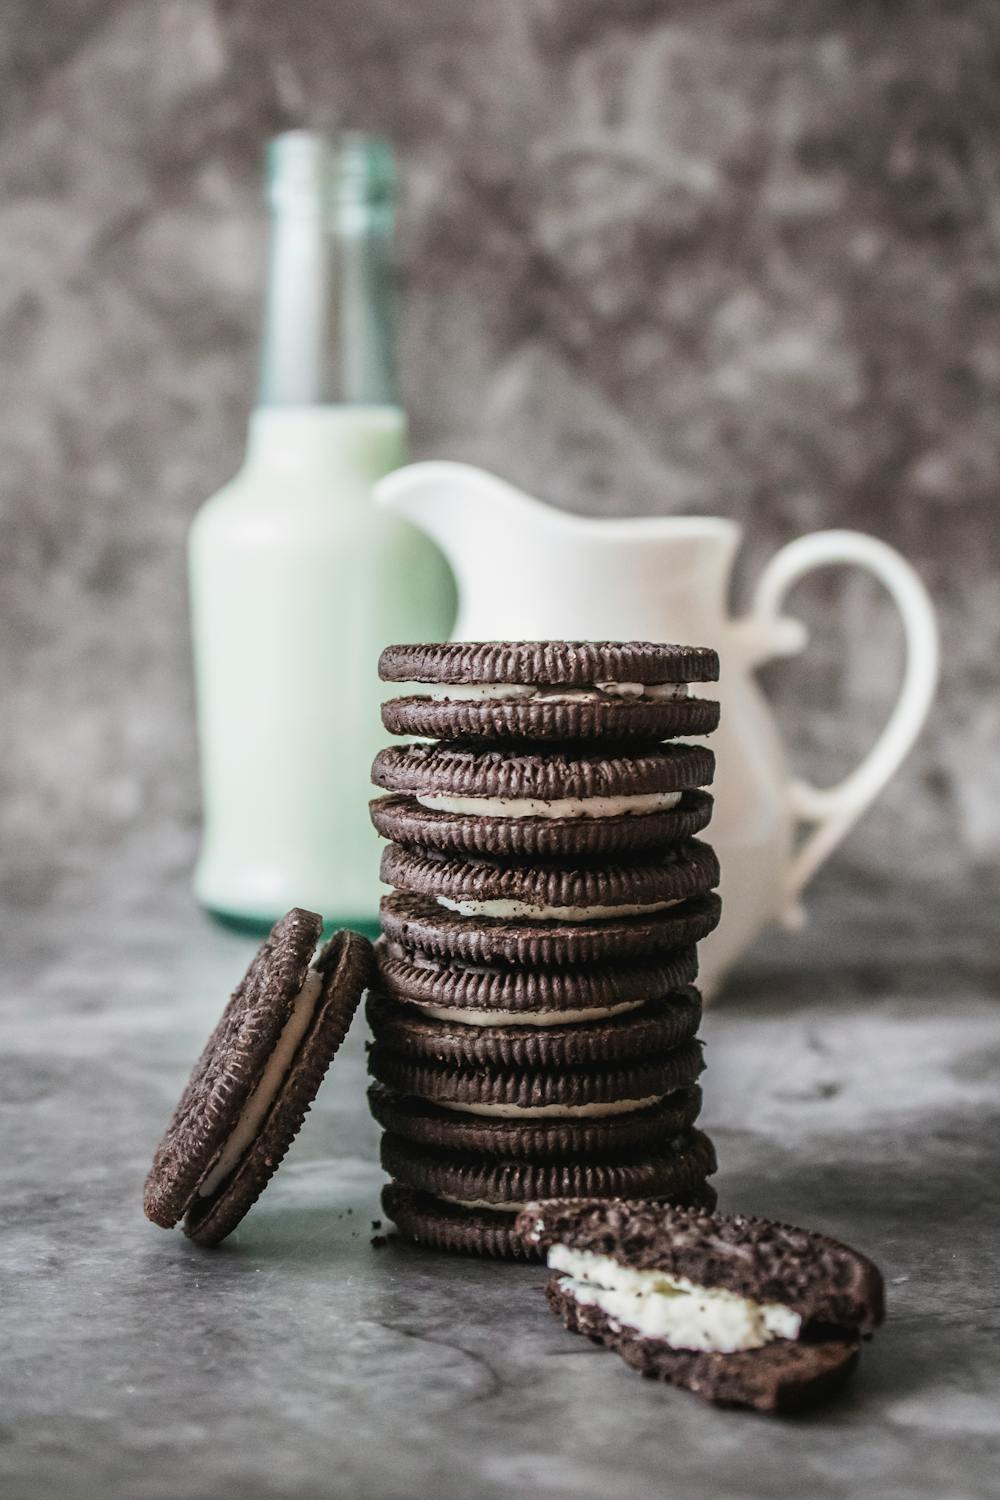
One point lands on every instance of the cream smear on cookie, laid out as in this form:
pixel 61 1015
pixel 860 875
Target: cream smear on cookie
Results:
pixel 658 1305
pixel 523 1017
pixel 593 1110
pixel 480 1203
pixel 542 692
pixel 537 912
pixel 246 1129
pixel 628 805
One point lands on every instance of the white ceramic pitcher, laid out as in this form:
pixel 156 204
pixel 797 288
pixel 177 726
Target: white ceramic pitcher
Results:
pixel 527 571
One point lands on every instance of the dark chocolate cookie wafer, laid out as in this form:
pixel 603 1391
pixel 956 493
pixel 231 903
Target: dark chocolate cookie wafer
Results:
pixel 586 1139
pixel 513 776
pixel 419 922
pixel 251 1088
pixel 574 663
pixel 406 821
pixel 648 1031
pixel 680 1164
pixel 552 715
pixel 442 1226
pixel 780 1377
pixel 544 996
pixel 542 893
pixel 540 1092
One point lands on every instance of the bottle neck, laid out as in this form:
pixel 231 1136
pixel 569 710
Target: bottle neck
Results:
pixel 325 443
pixel 329 327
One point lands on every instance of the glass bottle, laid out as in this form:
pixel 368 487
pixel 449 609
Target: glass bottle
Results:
pixel 297 579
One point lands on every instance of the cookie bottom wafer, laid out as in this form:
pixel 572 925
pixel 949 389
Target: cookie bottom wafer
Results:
pixel 781 1377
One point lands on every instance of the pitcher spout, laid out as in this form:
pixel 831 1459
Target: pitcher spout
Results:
pixel 450 501
pixel 529 571
pixel 485 527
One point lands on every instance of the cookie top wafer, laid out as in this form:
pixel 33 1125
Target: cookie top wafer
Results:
pixel 553 714
pixel 576 663
pixel 551 893
pixel 254 1082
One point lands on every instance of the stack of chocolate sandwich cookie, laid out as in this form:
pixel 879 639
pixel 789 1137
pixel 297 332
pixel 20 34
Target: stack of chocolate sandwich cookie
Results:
pixel 533 1011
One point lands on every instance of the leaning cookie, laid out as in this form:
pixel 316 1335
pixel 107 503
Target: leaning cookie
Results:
pixel 550 690
pixel 559 804
pixel 253 1084
pixel 742 1311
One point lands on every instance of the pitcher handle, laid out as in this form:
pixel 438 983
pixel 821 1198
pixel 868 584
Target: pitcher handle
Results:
pixel 833 810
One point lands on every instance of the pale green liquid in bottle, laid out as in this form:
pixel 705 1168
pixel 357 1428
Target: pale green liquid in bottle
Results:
pixel 297 580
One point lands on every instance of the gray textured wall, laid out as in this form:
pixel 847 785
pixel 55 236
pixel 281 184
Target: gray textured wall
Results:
pixel 737 255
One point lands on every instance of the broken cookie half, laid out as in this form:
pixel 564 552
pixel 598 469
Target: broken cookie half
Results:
pixel 742 1311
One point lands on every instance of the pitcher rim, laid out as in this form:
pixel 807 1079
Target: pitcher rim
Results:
pixel 720 527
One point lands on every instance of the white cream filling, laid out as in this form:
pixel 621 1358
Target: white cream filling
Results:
pixel 550 692
pixel 658 1305
pixel 420 962
pixel 537 913
pixel 523 1017
pixel 497 1208
pixel 245 1130
pixel 631 805
pixel 551 1111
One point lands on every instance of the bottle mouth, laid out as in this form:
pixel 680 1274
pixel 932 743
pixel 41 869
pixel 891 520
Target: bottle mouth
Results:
pixel 308 170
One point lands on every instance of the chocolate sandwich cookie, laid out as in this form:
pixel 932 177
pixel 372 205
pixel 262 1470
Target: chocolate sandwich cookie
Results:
pixel 407 821
pixel 259 1073
pixel 743 1311
pixel 680 1164
pixel 476 888
pixel 420 922
pixel 561 804
pixel 480 995
pixel 443 1226
pixel 584 1138
pixel 647 1031
pixel 539 1093
pixel 550 690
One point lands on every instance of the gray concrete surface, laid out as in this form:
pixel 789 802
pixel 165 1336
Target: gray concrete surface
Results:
pixel 298 1361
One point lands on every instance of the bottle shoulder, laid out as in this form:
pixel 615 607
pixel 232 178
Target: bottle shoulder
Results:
pixel 248 516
